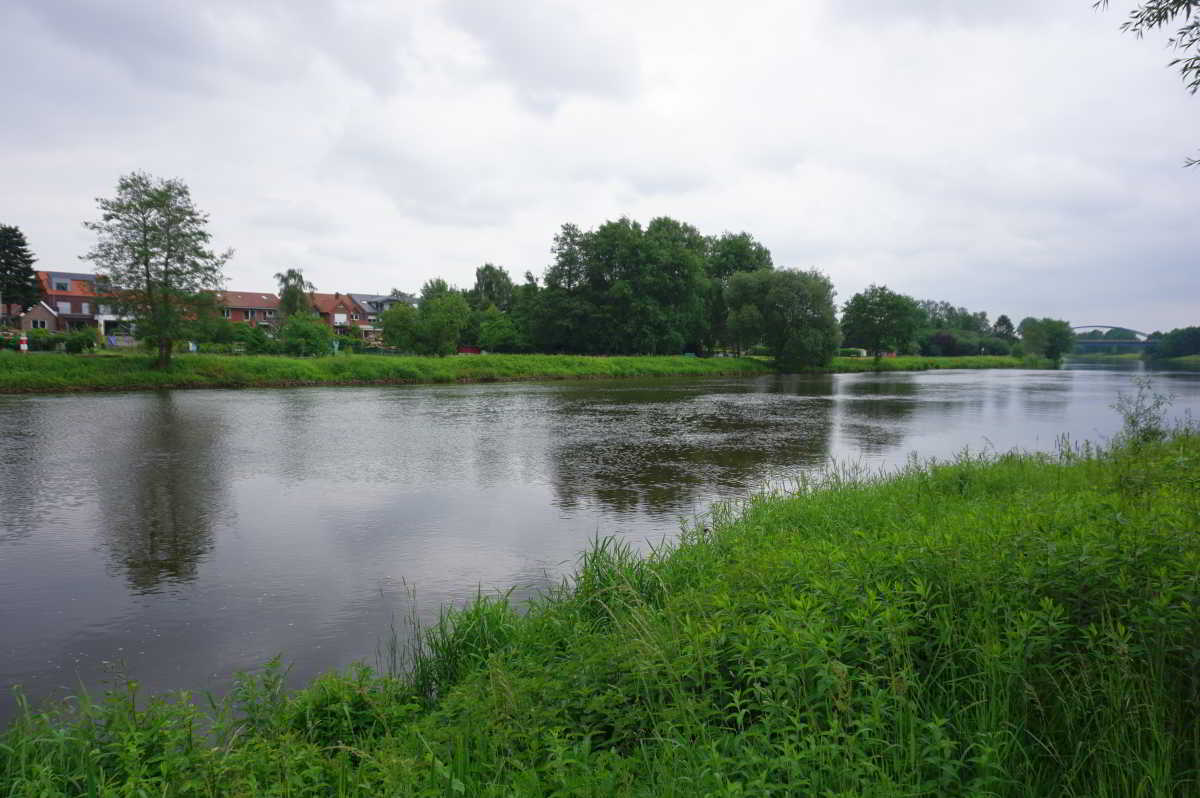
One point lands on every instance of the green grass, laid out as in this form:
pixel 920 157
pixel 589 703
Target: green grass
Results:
pixel 1012 626
pixel 45 372
pixel 57 372
pixel 921 363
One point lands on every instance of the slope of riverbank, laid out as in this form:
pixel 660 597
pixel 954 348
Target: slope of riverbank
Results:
pixel 39 373
pixel 1022 626
pixel 46 373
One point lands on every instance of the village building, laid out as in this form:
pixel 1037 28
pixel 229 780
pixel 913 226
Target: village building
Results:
pixel 256 308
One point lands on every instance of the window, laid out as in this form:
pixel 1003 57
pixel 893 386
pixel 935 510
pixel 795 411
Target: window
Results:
pixel 250 314
pixel 64 307
pixel 38 324
pixel 353 317
pixel 372 319
pixel 226 313
pixel 104 310
pixel 270 314
pixel 339 318
pixel 84 307
pixel 62 285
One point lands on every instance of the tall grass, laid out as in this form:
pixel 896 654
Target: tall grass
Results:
pixel 922 363
pixel 46 372
pixel 1020 625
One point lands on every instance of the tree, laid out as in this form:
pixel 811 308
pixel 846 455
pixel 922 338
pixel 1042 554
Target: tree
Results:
pixel 1003 328
pixel 1049 338
pixel 791 311
pixel 294 293
pixel 18 282
pixel 442 320
pixel 879 319
pixel 493 286
pixel 1157 14
pixel 497 332
pixel 153 252
pixel 401 327
pixel 303 335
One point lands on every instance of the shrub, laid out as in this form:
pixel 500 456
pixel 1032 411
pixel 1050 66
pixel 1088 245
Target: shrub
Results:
pixel 305 335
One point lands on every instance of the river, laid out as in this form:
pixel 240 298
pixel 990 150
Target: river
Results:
pixel 178 537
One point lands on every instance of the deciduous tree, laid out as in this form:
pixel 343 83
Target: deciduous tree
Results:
pixel 153 251
pixel 879 319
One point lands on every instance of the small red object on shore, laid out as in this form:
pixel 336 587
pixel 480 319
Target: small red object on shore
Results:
pixel 24 342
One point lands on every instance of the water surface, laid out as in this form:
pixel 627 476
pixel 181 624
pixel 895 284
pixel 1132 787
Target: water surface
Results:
pixel 180 536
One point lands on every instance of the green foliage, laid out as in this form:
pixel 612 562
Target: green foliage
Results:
pixel 19 284
pixel 497 331
pixel 441 319
pixel 493 287
pixel 305 335
pixel 1004 329
pixel 1048 338
pixel 1011 626
pixel 152 249
pixel 295 293
pixel 81 340
pixel 1180 342
pixel 791 311
pixel 879 320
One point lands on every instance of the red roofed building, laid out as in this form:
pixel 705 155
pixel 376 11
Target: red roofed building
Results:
pixel 340 311
pixel 256 308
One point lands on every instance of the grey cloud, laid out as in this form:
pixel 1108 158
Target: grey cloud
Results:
pixel 183 45
pixel 436 190
pixel 548 50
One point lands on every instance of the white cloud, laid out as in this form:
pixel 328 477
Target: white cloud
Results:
pixel 1016 157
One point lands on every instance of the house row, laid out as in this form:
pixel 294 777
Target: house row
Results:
pixel 72 300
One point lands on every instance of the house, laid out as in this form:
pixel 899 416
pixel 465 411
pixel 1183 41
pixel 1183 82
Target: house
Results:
pixel 39 317
pixel 340 311
pixel 256 308
pixel 72 298
pixel 375 305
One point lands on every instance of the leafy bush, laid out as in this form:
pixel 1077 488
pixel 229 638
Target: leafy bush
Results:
pixel 80 340
pixel 305 335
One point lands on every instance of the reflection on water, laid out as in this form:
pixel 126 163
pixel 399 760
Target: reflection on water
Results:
pixel 191 534
pixel 157 490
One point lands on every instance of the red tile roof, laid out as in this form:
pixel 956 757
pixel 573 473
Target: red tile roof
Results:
pixel 248 299
pixel 327 303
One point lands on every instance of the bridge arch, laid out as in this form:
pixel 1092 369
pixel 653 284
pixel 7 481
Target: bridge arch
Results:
pixel 1141 335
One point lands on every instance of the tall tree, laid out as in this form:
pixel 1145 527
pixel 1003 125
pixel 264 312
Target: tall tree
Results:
pixel 791 311
pixel 1158 14
pixel 493 286
pixel 18 282
pixel 1003 328
pixel 295 293
pixel 879 319
pixel 153 251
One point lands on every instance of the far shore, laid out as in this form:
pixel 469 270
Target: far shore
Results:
pixel 63 373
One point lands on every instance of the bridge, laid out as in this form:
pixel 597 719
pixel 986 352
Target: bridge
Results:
pixel 1138 344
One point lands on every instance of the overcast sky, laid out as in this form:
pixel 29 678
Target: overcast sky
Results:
pixel 1014 156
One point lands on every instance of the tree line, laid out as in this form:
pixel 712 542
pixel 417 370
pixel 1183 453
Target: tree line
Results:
pixel 620 288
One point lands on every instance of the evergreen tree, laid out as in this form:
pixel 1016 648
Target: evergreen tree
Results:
pixel 18 282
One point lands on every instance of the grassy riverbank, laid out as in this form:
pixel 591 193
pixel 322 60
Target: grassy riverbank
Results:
pixel 1024 626
pixel 853 365
pixel 57 372
pixel 43 372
